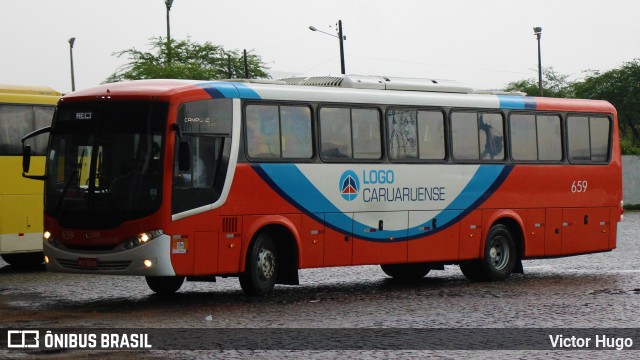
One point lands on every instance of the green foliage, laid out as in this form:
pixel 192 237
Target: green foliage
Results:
pixel 632 207
pixel 628 147
pixel 185 59
pixel 620 87
pixel 553 84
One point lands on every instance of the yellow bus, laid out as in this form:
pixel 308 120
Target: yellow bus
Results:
pixel 23 109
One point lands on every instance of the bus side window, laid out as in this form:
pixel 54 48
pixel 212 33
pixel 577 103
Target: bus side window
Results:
pixel 296 138
pixel 335 133
pixel 263 138
pixel 402 134
pixel 491 133
pixel 206 126
pixel 365 124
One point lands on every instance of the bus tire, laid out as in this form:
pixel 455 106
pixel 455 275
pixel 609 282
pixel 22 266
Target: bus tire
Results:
pixel 164 285
pixel 32 260
pixel 500 257
pixel 261 270
pixel 413 271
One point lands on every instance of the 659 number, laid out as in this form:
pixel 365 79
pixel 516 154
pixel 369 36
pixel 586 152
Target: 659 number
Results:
pixel 579 186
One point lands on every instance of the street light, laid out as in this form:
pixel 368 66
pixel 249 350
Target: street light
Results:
pixel 538 33
pixel 340 37
pixel 168 3
pixel 73 81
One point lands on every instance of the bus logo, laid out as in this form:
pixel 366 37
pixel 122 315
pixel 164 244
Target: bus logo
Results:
pixel 349 185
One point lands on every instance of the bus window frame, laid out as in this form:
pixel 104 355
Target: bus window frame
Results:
pixel 383 149
pixel 418 160
pixel 245 138
pixel 589 115
pixel 505 135
pixel 563 138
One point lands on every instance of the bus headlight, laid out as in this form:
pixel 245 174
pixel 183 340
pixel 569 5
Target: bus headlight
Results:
pixel 142 239
pixel 49 238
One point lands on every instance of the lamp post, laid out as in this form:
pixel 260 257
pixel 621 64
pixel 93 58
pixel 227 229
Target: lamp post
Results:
pixel 341 39
pixel 538 33
pixel 168 3
pixel 73 81
pixel 246 65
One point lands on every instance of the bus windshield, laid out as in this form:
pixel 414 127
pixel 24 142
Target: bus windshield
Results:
pixel 104 162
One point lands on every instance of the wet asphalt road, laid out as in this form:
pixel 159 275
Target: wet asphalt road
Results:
pixel 597 290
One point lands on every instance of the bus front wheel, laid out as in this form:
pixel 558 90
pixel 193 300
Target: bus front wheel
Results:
pixel 261 271
pixel 499 259
pixel 164 285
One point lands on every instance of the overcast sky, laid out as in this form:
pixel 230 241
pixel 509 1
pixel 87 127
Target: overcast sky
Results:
pixel 481 43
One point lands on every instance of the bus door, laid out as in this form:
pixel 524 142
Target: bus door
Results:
pixel 380 237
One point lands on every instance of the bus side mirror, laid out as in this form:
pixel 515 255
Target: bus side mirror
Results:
pixel 27 152
pixel 26 159
pixel 184 156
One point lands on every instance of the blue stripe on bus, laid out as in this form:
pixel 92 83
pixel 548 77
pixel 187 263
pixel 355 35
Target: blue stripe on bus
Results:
pixel 229 90
pixel 517 102
pixel 290 183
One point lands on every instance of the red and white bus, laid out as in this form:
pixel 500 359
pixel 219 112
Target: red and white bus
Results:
pixel 173 179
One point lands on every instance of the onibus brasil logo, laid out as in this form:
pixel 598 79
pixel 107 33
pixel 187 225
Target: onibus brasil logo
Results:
pixel 349 185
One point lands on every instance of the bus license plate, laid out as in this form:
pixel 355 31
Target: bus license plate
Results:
pixel 88 262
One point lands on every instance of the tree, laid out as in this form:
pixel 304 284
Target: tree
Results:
pixel 620 87
pixel 553 84
pixel 189 60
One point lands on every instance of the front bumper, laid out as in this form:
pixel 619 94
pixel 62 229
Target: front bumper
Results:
pixel 127 262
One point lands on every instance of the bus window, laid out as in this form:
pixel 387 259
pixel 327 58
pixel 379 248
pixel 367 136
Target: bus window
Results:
pixel 206 128
pixel 464 135
pixel 431 135
pixel 477 136
pixel 278 132
pixel 523 137
pixel 491 136
pixel 17 121
pixel 416 134
pixel 365 124
pixel 350 134
pixel 599 133
pixel 335 133
pixel 578 138
pixel 535 137
pixel 296 136
pixel 263 138
pixel 402 134
pixel 588 138
pixel 549 137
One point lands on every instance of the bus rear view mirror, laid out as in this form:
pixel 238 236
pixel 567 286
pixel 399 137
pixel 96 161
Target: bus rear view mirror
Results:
pixel 27 152
pixel 26 159
pixel 184 156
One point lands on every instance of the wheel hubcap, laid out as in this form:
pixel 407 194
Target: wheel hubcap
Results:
pixel 266 264
pixel 499 253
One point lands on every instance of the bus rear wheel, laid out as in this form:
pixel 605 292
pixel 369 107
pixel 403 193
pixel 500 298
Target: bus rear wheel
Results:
pixel 499 259
pixel 261 271
pixel 31 260
pixel 412 271
pixel 164 285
